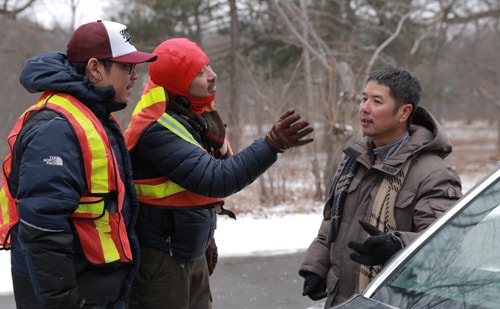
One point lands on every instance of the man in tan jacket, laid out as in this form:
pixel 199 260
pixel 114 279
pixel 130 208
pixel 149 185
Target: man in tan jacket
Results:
pixel 390 185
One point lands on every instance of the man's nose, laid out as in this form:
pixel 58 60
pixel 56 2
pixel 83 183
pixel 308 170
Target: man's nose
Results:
pixel 364 107
pixel 211 74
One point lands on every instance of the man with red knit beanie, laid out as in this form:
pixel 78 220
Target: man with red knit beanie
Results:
pixel 183 169
pixel 189 60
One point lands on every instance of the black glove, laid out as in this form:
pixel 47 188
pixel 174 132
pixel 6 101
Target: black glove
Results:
pixel 314 285
pixel 212 256
pixel 377 248
pixel 288 132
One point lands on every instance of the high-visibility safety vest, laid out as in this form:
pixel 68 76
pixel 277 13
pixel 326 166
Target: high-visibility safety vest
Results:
pixel 97 219
pixel 161 191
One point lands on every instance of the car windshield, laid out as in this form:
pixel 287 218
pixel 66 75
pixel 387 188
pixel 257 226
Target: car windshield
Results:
pixel 459 267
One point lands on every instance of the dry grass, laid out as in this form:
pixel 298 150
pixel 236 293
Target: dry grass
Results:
pixel 475 151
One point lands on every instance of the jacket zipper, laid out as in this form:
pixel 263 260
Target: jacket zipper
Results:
pixel 169 241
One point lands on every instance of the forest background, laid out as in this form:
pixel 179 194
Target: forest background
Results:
pixel 313 55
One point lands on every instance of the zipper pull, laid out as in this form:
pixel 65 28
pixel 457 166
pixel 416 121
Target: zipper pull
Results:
pixel 169 241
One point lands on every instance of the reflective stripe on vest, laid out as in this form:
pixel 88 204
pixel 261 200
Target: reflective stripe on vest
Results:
pixel 91 219
pixel 151 106
pixel 161 191
pixel 8 214
pixel 176 127
pixel 94 143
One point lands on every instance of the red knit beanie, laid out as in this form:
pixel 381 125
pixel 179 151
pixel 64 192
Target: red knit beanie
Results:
pixel 179 61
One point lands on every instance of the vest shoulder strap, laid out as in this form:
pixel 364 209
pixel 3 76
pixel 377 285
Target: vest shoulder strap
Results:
pixel 178 128
pixel 35 118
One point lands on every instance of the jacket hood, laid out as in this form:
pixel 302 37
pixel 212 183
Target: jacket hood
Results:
pixel 52 72
pixel 426 134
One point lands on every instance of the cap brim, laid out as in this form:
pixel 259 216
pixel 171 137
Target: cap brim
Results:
pixel 136 57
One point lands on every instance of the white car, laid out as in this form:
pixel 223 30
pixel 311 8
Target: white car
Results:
pixel 455 263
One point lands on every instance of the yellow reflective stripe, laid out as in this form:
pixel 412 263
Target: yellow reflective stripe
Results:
pixel 176 127
pixel 155 95
pixel 169 187
pixel 108 246
pixel 99 181
pixel 158 191
pixel 96 208
pixel 4 203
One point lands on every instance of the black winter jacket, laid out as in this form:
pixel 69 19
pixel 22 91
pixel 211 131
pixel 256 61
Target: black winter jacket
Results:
pixel 186 233
pixel 46 257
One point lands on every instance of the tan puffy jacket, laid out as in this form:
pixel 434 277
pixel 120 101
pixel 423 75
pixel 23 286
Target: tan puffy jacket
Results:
pixel 430 188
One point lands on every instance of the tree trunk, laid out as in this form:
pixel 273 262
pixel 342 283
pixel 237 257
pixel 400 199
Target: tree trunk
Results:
pixel 234 99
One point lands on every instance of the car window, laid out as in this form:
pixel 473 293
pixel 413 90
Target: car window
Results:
pixel 457 268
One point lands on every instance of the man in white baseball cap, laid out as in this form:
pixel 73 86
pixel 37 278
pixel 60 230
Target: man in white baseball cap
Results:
pixel 67 182
pixel 104 40
pixel 97 46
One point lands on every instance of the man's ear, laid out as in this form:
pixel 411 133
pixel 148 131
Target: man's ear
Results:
pixel 405 112
pixel 92 65
pixel 93 70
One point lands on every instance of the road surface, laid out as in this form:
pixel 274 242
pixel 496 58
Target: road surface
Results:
pixel 253 282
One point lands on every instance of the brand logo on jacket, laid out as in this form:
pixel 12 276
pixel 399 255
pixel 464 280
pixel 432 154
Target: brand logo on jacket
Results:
pixel 53 160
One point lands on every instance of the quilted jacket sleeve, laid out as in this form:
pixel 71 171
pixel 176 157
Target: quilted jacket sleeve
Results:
pixel 316 259
pixel 50 184
pixel 437 187
pixel 192 168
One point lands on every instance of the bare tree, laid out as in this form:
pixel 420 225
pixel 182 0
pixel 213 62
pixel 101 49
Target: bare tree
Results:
pixel 234 98
pixel 73 5
pixel 314 108
pixel 401 32
pixel 334 85
pixel 12 8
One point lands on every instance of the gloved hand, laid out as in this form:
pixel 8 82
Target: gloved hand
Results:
pixel 314 285
pixel 212 255
pixel 377 248
pixel 288 132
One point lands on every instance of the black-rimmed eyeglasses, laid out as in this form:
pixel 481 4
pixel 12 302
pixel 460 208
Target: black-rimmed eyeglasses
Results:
pixel 129 67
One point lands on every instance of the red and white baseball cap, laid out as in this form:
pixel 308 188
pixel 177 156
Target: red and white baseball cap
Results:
pixel 104 40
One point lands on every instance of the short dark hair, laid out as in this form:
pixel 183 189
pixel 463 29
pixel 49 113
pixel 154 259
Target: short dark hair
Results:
pixel 404 86
pixel 81 66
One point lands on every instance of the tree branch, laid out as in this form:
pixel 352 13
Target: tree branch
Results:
pixel 385 44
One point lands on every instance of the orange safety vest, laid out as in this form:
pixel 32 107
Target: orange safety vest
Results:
pixel 103 235
pixel 161 191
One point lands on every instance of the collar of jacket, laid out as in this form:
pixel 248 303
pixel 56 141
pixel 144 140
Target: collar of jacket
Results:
pixel 52 72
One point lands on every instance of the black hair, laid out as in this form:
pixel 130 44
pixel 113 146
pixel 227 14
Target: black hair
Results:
pixel 80 66
pixel 404 87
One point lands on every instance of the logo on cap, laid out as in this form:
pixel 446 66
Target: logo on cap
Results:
pixel 126 36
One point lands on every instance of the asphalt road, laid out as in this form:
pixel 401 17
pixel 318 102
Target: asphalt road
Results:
pixel 253 282
pixel 265 282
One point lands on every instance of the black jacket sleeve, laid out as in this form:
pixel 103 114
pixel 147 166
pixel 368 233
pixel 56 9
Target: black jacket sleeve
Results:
pixel 51 181
pixel 188 165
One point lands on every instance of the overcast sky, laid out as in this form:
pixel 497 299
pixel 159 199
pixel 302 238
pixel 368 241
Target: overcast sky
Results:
pixel 57 13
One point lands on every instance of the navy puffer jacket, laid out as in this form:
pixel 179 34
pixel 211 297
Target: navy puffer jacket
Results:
pixel 159 152
pixel 46 257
